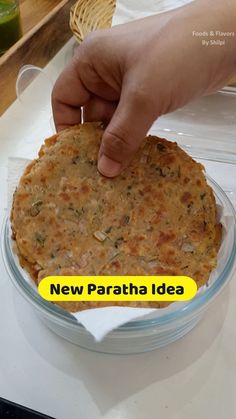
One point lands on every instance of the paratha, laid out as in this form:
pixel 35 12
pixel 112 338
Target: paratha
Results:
pixel 158 217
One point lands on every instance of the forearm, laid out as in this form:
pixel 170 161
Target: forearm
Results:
pixel 200 38
pixel 215 35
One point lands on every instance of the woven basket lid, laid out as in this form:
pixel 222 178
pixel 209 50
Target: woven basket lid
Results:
pixel 89 15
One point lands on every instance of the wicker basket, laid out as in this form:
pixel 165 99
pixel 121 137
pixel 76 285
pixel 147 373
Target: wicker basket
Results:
pixel 89 15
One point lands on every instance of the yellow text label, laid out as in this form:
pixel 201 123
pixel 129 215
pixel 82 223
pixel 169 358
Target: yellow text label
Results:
pixel 117 288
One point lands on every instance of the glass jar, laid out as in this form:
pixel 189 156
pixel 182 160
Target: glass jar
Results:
pixel 10 24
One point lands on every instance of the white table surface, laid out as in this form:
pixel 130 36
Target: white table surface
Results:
pixel 194 378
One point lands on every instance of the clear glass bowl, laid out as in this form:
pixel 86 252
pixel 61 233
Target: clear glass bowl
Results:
pixel 139 335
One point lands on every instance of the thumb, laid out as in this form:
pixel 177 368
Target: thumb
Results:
pixel 129 125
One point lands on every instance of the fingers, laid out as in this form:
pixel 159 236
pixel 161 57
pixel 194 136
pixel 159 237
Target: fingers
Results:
pixel 98 109
pixel 124 134
pixel 68 95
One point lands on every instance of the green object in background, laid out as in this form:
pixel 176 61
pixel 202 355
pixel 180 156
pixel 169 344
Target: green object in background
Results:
pixel 10 25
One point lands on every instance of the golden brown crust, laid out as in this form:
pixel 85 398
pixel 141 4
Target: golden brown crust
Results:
pixel 157 217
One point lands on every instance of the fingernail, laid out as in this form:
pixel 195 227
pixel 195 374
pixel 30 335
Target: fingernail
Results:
pixel 108 167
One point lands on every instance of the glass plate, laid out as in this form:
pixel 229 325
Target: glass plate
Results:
pixel 205 128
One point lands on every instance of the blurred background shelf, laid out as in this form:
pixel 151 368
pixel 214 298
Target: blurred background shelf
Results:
pixel 33 11
pixel 46 29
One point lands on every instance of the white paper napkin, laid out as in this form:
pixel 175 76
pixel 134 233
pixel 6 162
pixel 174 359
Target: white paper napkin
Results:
pixel 133 9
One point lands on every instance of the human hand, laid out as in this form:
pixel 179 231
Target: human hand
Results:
pixel 131 74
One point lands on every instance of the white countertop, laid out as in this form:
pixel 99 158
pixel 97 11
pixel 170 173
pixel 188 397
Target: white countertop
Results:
pixel 194 378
